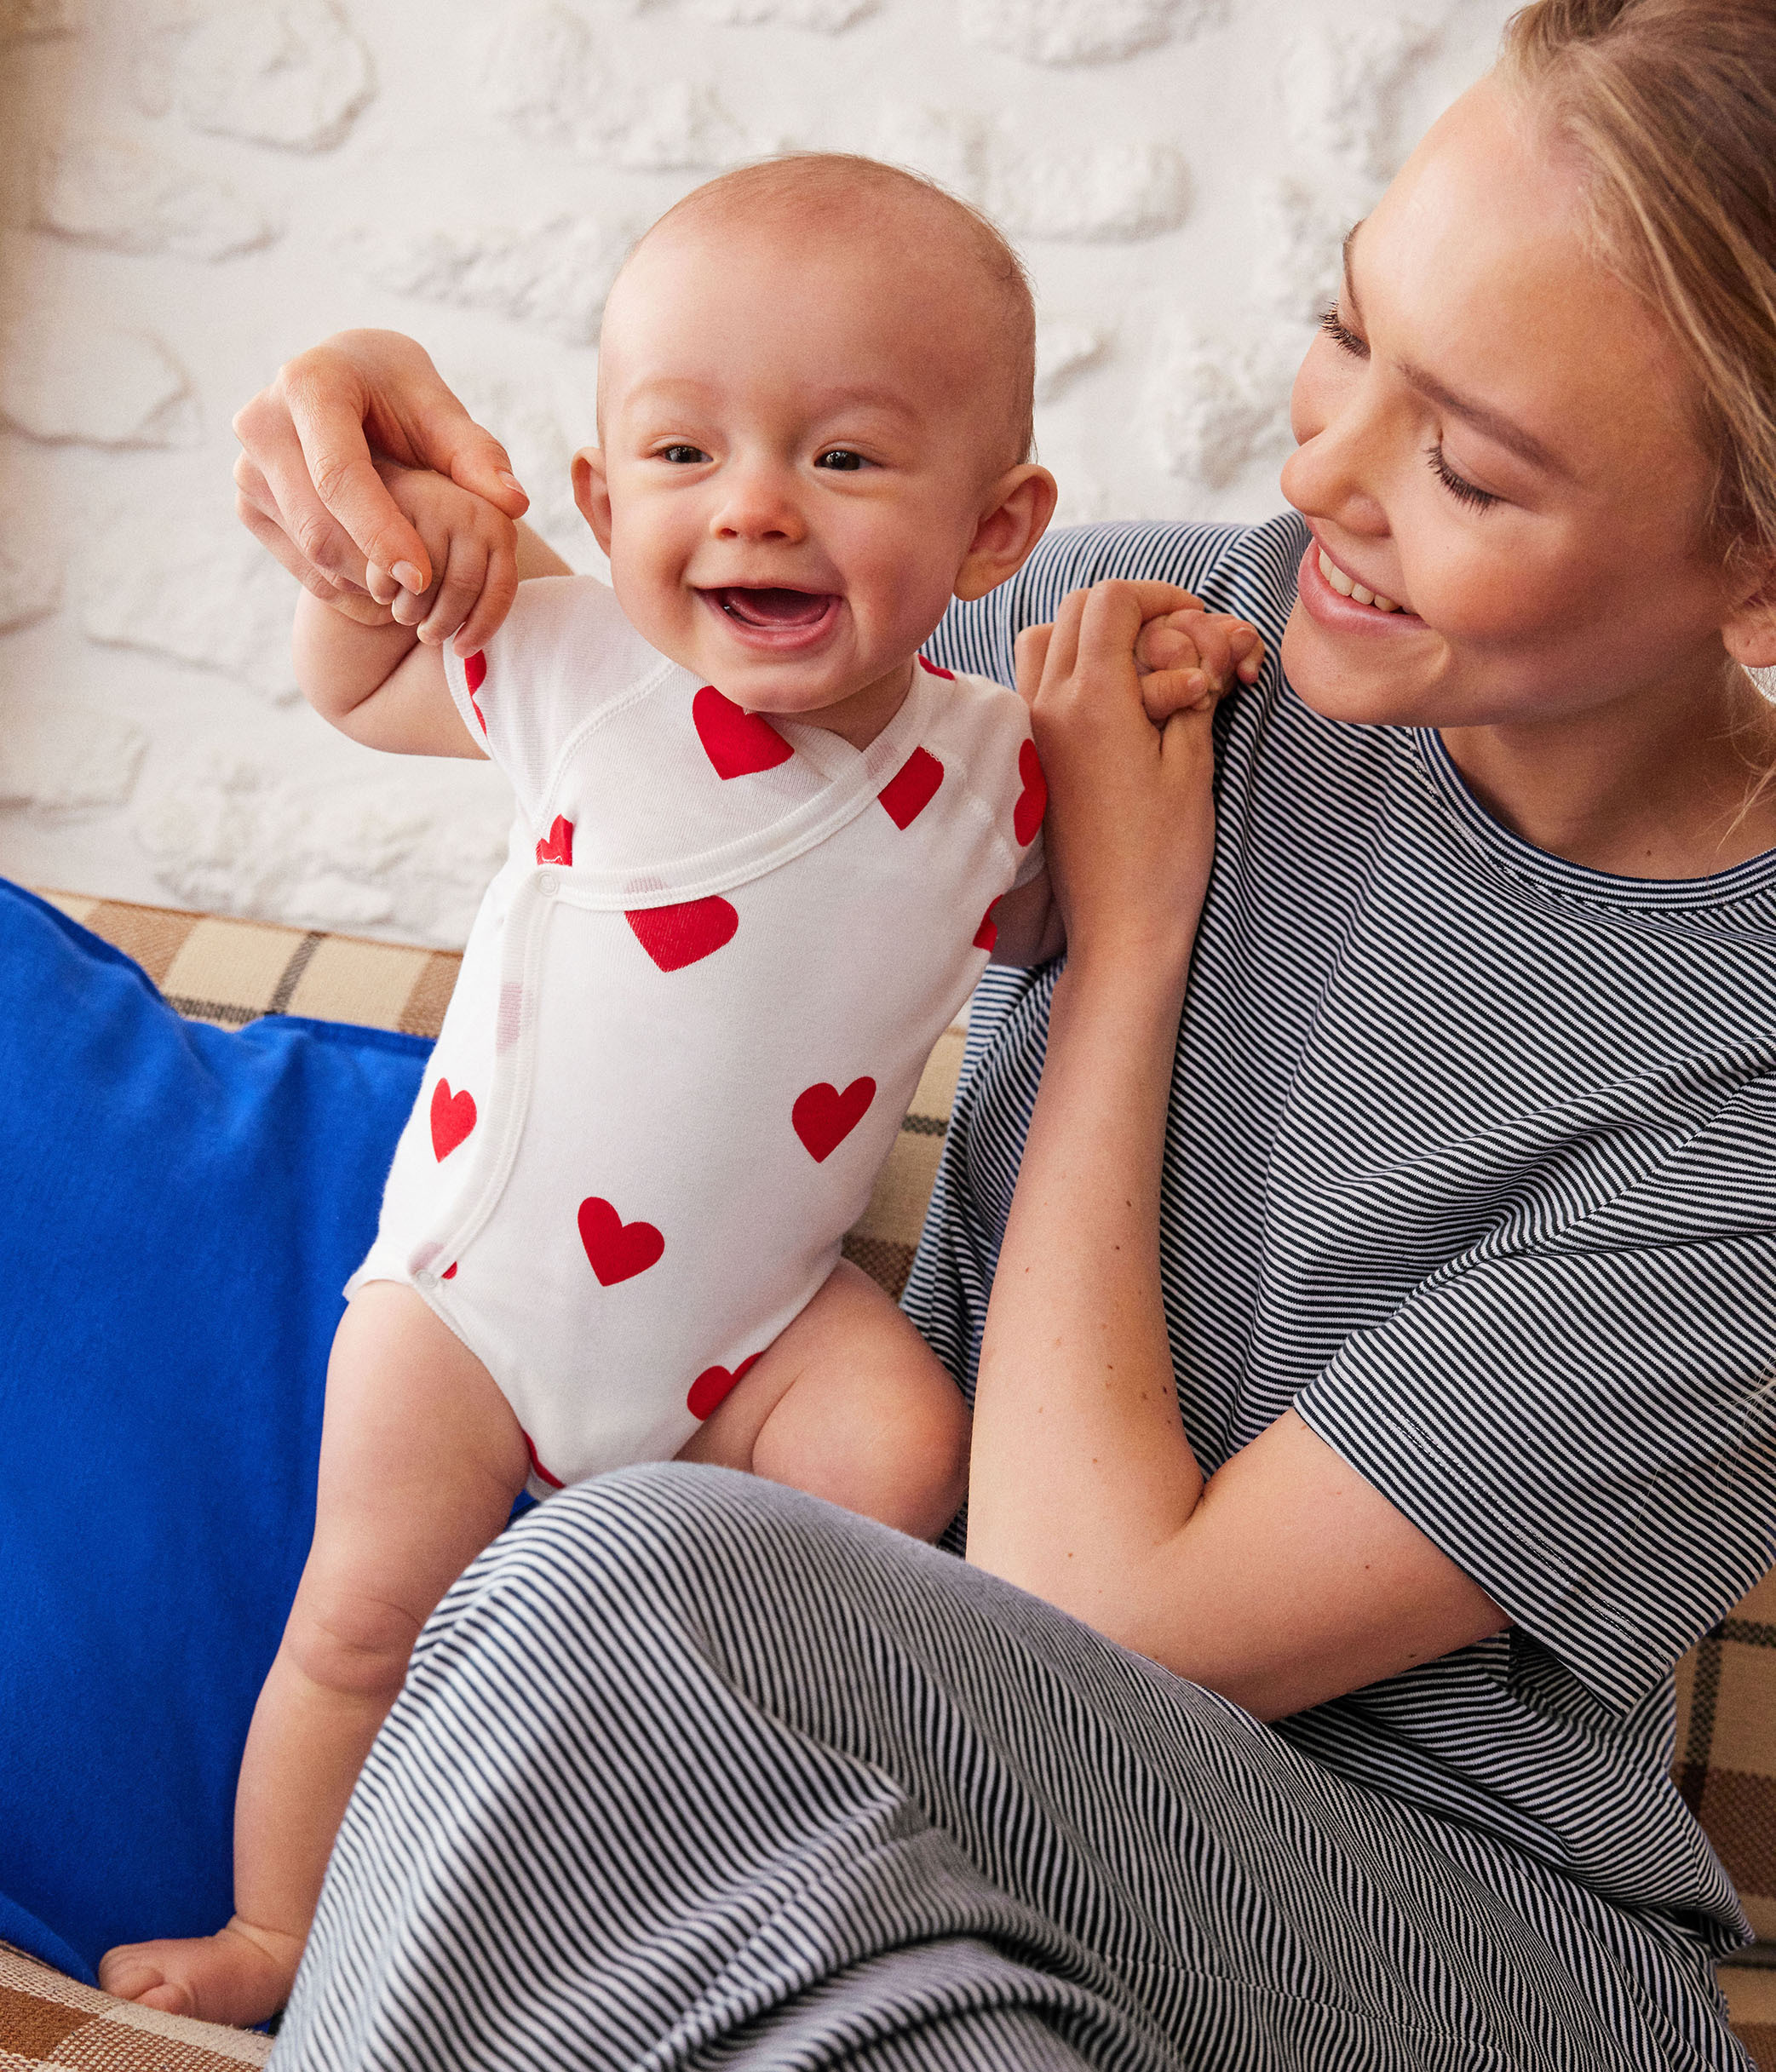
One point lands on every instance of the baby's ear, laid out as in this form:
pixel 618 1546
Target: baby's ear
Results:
pixel 592 493
pixel 1018 508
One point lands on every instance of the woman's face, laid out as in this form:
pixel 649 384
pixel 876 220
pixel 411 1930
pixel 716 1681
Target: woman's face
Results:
pixel 1495 436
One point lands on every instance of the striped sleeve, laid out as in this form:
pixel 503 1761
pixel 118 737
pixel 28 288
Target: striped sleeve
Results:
pixel 1568 1422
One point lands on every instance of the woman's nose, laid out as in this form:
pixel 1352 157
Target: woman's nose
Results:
pixel 1332 472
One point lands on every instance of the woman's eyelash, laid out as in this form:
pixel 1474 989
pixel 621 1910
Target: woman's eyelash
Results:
pixel 1459 486
pixel 1340 332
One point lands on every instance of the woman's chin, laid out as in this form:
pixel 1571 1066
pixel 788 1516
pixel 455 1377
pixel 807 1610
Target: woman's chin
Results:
pixel 1346 680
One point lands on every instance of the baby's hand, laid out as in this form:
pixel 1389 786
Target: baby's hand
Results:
pixel 474 550
pixel 1189 660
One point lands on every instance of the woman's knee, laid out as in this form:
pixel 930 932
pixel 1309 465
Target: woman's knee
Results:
pixel 665 1544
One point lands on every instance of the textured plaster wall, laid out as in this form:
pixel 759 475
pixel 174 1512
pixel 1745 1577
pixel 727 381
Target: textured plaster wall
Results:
pixel 191 190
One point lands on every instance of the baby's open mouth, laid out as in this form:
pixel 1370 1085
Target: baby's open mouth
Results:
pixel 774 610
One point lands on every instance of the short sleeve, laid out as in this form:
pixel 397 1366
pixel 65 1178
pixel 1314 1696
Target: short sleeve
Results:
pixel 1588 1428
pixel 564 653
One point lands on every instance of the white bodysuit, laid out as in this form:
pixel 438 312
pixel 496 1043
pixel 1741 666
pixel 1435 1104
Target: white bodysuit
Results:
pixel 693 1010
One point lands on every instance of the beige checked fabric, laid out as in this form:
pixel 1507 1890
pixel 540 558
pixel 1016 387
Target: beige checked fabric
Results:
pixel 227 972
pixel 46 2019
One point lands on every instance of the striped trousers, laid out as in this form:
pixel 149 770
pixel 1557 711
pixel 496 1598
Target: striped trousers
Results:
pixel 693 1771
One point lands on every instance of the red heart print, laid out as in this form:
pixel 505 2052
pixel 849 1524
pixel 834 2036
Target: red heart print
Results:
pixel 931 670
pixel 452 1118
pixel 554 1482
pixel 987 936
pixel 617 1251
pixel 675 936
pixel 475 674
pixel 557 845
pixel 912 788
pixel 449 1273
pixel 824 1117
pixel 712 1385
pixel 738 743
pixel 1026 814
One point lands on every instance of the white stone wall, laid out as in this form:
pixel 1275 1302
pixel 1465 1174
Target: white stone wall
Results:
pixel 190 190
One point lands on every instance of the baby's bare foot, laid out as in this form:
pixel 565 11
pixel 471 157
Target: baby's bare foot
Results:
pixel 239 1976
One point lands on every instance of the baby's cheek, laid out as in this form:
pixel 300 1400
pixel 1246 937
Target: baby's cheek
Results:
pixel 653 601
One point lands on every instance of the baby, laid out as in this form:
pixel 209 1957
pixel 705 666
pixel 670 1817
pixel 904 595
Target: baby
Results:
pixel 762 852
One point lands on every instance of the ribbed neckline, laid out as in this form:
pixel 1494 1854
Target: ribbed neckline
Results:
pixel 1578 880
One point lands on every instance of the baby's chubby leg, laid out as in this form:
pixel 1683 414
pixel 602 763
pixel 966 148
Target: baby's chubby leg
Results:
pixel 421 1460
pixel 850 1403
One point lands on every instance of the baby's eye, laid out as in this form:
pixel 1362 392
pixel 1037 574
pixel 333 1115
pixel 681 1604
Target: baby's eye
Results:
pixel 682 455
pixel 842 458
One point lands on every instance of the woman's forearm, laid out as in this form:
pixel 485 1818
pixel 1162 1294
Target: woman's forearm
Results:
pixel 1082 1469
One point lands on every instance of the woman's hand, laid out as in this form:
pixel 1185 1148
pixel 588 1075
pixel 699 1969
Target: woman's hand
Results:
pixel 1130 830
pixel 308 488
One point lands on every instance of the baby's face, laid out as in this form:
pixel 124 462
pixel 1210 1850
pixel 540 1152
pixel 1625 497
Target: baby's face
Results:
pixel 798 447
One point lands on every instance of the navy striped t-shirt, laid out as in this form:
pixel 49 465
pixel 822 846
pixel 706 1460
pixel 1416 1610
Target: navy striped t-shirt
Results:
pixel 1471 1160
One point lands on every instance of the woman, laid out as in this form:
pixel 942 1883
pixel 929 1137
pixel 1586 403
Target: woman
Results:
pixel 1380 1351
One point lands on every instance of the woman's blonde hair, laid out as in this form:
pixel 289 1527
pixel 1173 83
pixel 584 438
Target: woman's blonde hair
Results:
pixel 1671 106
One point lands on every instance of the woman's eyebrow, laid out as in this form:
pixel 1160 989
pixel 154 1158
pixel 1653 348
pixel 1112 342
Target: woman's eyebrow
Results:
pixel 1506 430
pixel 1350 279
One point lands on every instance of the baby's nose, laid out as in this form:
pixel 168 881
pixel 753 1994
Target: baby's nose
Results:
pixel 758 508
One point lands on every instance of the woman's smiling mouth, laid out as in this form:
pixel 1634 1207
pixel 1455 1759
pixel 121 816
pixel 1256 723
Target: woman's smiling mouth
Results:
pixel 1333 595
pixel 1347 585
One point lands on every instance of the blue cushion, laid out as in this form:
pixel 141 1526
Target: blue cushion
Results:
pixel 180 1208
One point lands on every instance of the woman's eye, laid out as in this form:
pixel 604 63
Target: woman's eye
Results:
pixel 1459 486
pixel 682 455
pixel 841 459
pixel 1340 333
